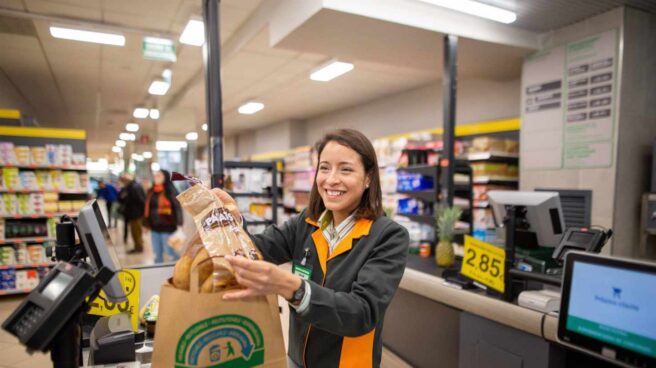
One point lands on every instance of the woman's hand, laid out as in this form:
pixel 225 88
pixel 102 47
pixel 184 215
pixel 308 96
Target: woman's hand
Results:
pixel 228 202
pixel 261 278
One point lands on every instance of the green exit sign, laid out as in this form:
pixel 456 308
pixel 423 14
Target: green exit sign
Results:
pixel 160 49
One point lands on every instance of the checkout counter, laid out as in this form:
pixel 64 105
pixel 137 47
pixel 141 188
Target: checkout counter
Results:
pixel 431 324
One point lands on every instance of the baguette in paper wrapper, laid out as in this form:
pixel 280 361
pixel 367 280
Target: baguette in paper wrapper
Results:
pixel 219 233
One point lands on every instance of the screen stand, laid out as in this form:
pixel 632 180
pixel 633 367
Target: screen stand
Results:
pixel 513 220
pixel 66 351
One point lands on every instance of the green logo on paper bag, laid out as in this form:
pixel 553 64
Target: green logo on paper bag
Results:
pixel 226 341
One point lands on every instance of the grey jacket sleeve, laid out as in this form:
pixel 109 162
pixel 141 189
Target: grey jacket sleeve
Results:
pixel 358 311
pixel 276 242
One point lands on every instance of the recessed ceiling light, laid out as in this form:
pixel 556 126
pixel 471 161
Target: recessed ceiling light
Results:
pixel 194 33
pixel 167 74
pixel 148 154
pixel 116 149
pixel 159 87
pixel 137 157
pixel 191 136
pixel 120 143
pixel 331 70
pixel 204 127
pixel 477 9
pixel 250 108
pixel 125 136
pixel 132 127
pixel 170 145
pixel 104 38
pixel 140 113
pixel 154 166
pixel 154 114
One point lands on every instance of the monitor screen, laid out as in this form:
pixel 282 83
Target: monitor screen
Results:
pixel 608 307
pixel 56 286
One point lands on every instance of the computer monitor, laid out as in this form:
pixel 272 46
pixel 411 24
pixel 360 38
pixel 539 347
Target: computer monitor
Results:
pixel 97 242
pixel 543 216
pixel 608 308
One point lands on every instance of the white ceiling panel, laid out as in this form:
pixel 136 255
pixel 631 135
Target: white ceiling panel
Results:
pixel 88 10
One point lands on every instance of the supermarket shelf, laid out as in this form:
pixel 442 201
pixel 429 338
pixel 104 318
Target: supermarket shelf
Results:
pixel 15 291
pixel 250 194
pixel 27 265
pixel 268 165
pixel 423 169
pixel 493 156
pixel 427 195
pixel 299 190
pixel 26 240
pixel 297 171
pixel 48 167
pixel 495 180
pixel 47 215
pixel 42 191
pixel 426 219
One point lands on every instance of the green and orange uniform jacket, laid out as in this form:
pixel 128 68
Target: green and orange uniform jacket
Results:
pixel 350 289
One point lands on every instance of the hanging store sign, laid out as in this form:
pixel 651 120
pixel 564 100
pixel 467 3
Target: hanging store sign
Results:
pixel 159 49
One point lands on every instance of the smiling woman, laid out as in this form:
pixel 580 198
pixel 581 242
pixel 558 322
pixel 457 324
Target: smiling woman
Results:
pixel 347 257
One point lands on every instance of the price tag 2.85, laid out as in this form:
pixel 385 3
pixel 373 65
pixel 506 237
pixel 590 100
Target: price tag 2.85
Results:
pixel 484 263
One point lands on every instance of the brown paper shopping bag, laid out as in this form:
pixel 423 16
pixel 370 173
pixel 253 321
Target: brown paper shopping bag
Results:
pixel 203 330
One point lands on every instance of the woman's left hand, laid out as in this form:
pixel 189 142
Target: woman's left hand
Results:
pixel 261 278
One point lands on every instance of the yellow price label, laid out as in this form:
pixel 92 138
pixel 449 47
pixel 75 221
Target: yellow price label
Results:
pixel 484 263
pixel 101 306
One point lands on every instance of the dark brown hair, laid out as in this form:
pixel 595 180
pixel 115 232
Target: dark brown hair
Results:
pixel 371 205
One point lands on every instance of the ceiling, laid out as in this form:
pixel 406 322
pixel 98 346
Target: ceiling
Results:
pixel 87 86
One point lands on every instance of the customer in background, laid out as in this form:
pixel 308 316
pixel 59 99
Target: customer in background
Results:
pixel 132 199
pixel 109 193
pixel 163 215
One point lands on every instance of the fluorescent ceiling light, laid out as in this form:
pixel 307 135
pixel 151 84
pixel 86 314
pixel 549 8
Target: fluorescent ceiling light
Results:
pixel 167 74
pixel 204 127
pixel 116 149
pixel 154 114
pixel 331 70
pixel 87 36
pixel 191 136
pixel 170 145
pixel 154 166
pixel 137 157
pixel 120 143
pixel 148 154
pixel 132 127
pixel 250 108
pixel 159 87
pixel 194 33
pixel 140 113
pixel 125 136
pixel 477 9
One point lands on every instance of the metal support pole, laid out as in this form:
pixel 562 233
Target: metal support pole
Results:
pixel 449 78
pixel 510 223
pixel 213 98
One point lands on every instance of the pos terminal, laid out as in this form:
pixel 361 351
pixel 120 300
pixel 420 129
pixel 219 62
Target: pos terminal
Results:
pixel 48 319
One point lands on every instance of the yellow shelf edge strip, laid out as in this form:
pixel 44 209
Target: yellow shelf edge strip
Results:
pixel 483 127
pixel 43 132
pixel 9 114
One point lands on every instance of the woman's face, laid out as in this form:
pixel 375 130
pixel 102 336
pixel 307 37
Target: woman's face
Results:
pixel 341 178
pixel 158 177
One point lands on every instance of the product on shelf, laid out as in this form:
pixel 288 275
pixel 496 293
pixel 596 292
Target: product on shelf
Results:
pixel 7 279
pixel 494 169
pixel 490 144
pixel 39 156
pixel 10 179
pixel 22 155
pixel 407 182
pixel 7 154
pixel 413 206
pixel 27 279
pixel 7 256
pixel 36 253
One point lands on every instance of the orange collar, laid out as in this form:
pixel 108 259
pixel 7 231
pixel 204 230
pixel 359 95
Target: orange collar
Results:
pixel 361 228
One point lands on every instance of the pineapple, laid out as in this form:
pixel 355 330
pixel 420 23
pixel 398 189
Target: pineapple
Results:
pixel 446 221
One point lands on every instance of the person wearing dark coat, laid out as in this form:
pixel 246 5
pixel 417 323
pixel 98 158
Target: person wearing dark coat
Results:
pixel 131 199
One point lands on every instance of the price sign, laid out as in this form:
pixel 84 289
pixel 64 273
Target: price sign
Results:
pixel 484 263
pixel 101 306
